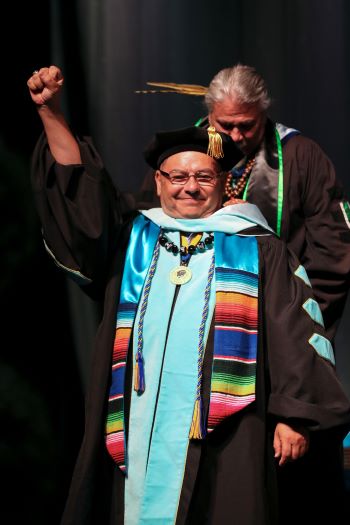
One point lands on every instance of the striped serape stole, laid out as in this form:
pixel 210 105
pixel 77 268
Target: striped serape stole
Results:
pixel 115 435
pixel 235 343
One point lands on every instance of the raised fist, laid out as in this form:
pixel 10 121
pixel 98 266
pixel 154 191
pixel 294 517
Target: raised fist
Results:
pixel 45 86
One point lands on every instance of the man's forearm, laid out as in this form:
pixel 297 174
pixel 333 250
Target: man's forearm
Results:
pixel 63 145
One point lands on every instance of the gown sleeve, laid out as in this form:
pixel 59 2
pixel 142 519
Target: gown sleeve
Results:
pixel 326 212
pixel 80 212
pixel 300 361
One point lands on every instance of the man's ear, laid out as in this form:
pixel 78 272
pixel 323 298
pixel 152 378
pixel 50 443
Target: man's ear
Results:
pixel 157 178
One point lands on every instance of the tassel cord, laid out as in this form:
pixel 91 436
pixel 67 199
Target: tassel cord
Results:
pixel 139 383
pixel 197 430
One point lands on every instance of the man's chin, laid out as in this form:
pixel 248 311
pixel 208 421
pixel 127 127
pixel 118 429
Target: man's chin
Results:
pixel 191 211
pixel 195 214
pixel 184 214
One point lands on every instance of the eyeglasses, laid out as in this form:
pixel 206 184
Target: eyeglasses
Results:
pixel 180 178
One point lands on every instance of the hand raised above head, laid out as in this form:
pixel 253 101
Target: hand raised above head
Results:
pixel 45 86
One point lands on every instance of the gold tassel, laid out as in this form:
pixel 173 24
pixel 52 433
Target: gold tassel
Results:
pixel 139 374
pixel 195 430
pixel 215 144
pixel 172 87
pixel 136 376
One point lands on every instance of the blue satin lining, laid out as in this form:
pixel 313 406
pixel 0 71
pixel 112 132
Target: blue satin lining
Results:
pixel 139 254
pixel 236 252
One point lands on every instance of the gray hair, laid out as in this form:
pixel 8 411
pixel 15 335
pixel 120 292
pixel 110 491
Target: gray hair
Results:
pixel 241 83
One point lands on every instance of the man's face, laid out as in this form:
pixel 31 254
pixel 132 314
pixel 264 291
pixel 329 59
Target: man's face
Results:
pixel 244 123
pixel 191 201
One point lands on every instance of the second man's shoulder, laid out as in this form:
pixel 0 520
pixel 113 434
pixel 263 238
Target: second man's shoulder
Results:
pixel 303 148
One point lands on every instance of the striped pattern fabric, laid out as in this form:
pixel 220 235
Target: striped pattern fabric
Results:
pixel 235 344
pixel 234 359
pixel 115 435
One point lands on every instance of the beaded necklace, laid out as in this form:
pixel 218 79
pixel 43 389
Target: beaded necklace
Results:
pixel 234 192
pixel 190 245
pixel 190 249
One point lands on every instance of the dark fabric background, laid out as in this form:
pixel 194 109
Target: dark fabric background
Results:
pixel 107 50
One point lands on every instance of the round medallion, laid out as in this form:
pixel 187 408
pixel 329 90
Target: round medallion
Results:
pixel 180 275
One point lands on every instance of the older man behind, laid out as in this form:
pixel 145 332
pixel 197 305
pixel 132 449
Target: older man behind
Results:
pixel 290 179
pixel 232 372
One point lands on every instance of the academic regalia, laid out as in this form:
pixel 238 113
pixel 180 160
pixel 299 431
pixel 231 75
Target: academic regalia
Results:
pixel 231 476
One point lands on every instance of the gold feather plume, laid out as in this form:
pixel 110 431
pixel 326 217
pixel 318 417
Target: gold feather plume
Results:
pixel 171 87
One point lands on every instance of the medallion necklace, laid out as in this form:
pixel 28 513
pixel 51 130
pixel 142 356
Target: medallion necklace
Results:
pixel 190 245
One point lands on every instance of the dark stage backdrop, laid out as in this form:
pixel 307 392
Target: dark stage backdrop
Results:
pixel 107 50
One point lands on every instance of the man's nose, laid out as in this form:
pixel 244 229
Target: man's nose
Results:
pixel 192 183
pixel 236 135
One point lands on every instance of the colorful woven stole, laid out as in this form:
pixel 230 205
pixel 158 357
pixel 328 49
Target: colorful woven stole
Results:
pixel 235 343
pixel 236 326
pixel 142 241
pixel 235 335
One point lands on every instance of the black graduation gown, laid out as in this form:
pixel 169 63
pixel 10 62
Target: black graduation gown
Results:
pixel 231 476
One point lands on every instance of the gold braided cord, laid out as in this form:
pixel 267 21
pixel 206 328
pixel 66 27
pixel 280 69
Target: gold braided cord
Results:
pixel 172 87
